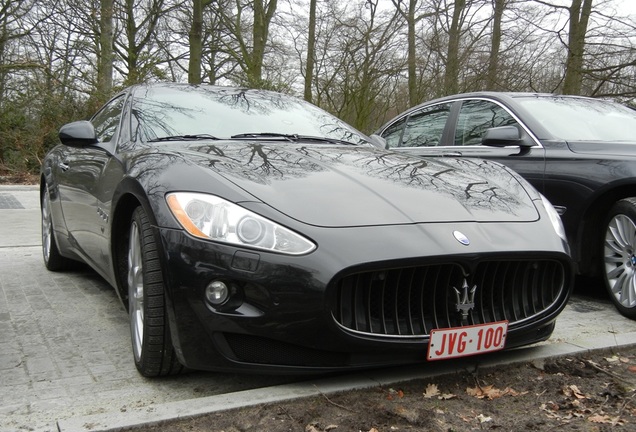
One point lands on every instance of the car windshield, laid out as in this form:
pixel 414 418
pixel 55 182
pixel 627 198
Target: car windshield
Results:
pixel 580 119
pixel 170 112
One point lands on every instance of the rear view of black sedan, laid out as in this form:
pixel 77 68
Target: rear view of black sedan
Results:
pixel 249 230
pixel 579 152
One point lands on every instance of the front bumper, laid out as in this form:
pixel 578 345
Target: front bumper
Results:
pixel 289 319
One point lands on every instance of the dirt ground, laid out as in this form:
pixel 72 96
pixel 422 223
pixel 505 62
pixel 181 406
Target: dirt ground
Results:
pixel 591 392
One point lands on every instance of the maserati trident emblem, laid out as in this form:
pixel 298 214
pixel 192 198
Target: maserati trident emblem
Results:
pixel 460 237
pixel 465 299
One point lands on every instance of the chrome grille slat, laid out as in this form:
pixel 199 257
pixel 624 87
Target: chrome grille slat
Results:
pixel 411 301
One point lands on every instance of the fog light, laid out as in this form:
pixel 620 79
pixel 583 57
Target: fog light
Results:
pixel 217 293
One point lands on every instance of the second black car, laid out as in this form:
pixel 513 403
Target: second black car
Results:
pixel 579 152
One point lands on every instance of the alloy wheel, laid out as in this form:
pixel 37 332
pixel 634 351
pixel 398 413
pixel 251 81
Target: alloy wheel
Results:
pixel 620 260
pixel 136 290
pixel 46 225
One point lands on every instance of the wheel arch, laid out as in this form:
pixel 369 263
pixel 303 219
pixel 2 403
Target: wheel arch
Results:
pixel 128 197
pixel 590 229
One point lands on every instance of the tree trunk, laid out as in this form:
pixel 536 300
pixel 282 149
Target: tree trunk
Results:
pixel 579 19
pixel 412 59
pixel 311 51
pixel 263 13
pixel 105 62
pixel 195 39
pixel 495 43
pixel 451 76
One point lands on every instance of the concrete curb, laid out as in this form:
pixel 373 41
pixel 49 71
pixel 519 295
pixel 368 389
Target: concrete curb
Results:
pixel 118 421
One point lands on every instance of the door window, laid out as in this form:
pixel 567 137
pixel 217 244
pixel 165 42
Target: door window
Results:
pixel 475 117
pixel 106 121
pixel 425 127
pixel 393 134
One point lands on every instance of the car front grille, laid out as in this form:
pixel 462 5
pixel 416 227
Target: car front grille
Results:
pixel 410 302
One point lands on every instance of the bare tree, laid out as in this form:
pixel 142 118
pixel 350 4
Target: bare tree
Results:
pixel 248 48
pixel 137 42
pixel 359 62
pixel 411 17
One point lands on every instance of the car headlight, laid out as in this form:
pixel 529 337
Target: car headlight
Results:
pixel 212 218
pixel 554 218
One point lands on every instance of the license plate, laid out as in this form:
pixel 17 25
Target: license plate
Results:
pixel 466 341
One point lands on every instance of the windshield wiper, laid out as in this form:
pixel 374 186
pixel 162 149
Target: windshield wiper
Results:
pixel 265 135
pixel 291 137
pixel 323 139
pixel 194 137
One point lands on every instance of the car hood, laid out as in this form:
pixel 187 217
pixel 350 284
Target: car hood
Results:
pixel 346 186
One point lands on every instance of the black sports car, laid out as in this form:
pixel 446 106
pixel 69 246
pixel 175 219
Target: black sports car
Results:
pixel 579 152
pixel 249 230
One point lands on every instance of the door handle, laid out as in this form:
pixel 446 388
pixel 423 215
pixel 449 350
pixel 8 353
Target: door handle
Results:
pixel 63 166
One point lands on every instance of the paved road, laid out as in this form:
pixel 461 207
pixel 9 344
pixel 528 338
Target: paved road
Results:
pixel 65 358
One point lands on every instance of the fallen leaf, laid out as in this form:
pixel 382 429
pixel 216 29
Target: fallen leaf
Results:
pixel 574 391
pixel 631 368
pixel 431 391
pixel 483 419
pixel 605 419
pixel 311 427
pixel 331 427
pixel 550 406
pixel 491 392
pixel 446 396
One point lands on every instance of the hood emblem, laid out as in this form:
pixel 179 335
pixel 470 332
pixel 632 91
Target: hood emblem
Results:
pixel 465 299
pixel 460 237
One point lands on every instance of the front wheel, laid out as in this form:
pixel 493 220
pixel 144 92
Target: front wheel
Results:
pixel 619 254
pixel 150 334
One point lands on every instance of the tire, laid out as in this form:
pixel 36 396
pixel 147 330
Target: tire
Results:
pixel 53 260
pixel 150 334
pixel 619 256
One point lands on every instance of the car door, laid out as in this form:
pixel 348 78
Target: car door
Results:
pixel 79 178
pixel 466 122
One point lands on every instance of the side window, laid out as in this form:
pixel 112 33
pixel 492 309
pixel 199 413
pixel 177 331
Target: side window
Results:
pixel 425 127
pixel 393 134
pixel 475 117
pixel 106 121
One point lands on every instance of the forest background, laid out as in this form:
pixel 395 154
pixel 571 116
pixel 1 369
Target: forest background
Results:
pixel 362 60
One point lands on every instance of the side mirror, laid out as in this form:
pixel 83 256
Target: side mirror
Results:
pixel 503 136
pixel 378 141
pixel 78 134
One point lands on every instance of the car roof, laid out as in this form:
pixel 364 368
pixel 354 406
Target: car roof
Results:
pixel 505 97
pixel 497 96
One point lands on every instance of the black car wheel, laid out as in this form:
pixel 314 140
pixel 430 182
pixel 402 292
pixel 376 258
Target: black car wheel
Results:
pixel 53 260
pixel 620 256
pixel 152 346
